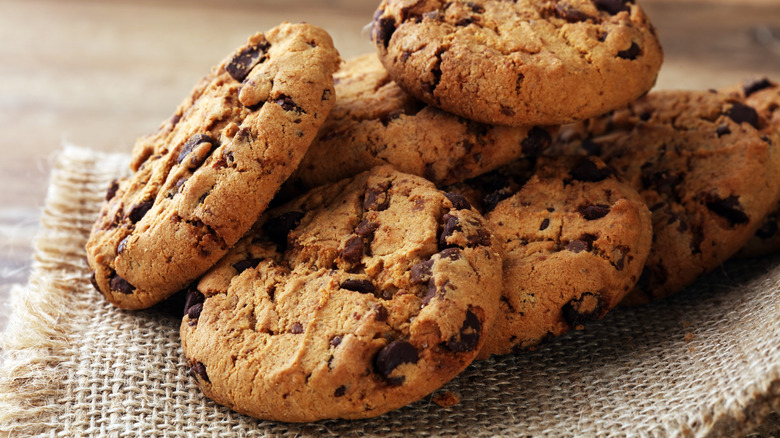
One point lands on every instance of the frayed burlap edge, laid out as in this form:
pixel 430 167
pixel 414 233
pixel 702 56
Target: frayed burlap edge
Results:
pixel 36 339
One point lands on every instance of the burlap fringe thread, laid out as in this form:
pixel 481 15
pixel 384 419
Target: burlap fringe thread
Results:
pixel 619 377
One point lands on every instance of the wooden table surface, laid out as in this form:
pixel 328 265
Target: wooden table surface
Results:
pixel 100 74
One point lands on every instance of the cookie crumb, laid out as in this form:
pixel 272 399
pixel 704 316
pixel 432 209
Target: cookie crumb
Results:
pixel 446 399
pixel 688 336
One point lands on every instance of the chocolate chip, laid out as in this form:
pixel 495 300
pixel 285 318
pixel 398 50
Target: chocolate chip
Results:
pixel 459 202
pixel 594 211
pixel 663 182
pixel 278 227
pixel 581 310
pixel 450 253
pixel 480 238
pixel 243 62
pixel 93 280
pixel 571 15
pixel 336 340
pixel 193 304
pixel 757 85
pixel 768 229
pixel 728 208
pixel 451 225
pixel 361 286
pixel 383 30
pixel 192 143
pixel 740 113
pixel 119 284
pixel 296 328
pixel 544 225
pixel 198 369
pixel 376 197
pixel 392 355
pixel 112 189
pixel 630 53
pixel 138 211
pixel 577 246
pixel 469 335
pixel 587 171
pixel 430 292
pixel 366 228
pixel 381 313
pixel 537 140
pixel 421 272
pixel 243 265
pixel 611 6
pixel 723 130
pixel 288 104
pixel 353 250
pixel 492 199
pixel 340 391
pixel 122 245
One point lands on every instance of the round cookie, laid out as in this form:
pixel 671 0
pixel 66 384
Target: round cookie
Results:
pixel 704 166
pixel 357 298
pixel 375 122
pixel 763 95
pixel 201 181
pixel 575 241
pixel 519 62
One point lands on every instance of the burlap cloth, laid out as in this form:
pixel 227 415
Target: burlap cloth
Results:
pixel 704 363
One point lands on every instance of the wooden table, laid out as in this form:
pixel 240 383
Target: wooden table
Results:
pixel 100 74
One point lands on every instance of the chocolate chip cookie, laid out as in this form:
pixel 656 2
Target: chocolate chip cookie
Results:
pixel 354 299
pixel 763 95
pixel 704 165
pixel 519 62
pixel 575 242
pixel 375 122
pixel 201 181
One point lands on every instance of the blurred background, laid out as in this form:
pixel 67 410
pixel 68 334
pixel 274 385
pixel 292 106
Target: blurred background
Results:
pixel 99 74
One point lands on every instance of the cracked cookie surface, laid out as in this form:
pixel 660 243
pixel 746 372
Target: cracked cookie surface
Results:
pixel 375 122
pixel 706 166
pixel 521 62
pixel 354 299
pixel 200 182
pixel 575 240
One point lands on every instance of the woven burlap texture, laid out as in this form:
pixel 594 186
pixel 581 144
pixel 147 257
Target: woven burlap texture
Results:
pixel 704 363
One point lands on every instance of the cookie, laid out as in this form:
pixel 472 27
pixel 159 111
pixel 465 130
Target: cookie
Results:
pixel 575 241
pixel 705 167
pixel 375 122
pixel 201 181
pixel 763 95
pixel 521 62
pixel 354 299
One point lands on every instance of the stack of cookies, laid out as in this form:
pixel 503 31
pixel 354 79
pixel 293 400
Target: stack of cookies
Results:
pixel 349 236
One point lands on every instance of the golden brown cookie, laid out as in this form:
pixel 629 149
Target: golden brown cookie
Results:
pixel 201 181
pixel 704 165
pixel 521 62
pixel 354 299
pixel 575 241
pixel 375 122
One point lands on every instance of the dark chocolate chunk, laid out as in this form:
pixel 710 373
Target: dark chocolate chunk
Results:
pixel 587 171
pixel 138 211
pixel 740 113
pixel 278 227
pixel 122 245
pixel 537 140
pixel 288 104
pixel 630 53
pixel 340 391
pixel 356 285
pixel 481 238
pixel 112 189
pixel 451 225
pixel 243 62
pixel 119 284
pixel 93 280
pixel 192 143
pixel 570 14
pixel 757 85
pixel 469 335
pixel 376 197
pixel 459 202
pixel 728 208
pixel 421 272
pixel 296 328
pixel 450 253
pixel 366 228
pixel 612 6
pixel 336 340
pixel 583 309
pixel 383 30
pixel 392 355
pixel 544 225
pixel 243 265
pixel 193 304
pixel 353 250
pixel 594 211
pixel 198 369
pixel 381 313
pixel 584 243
